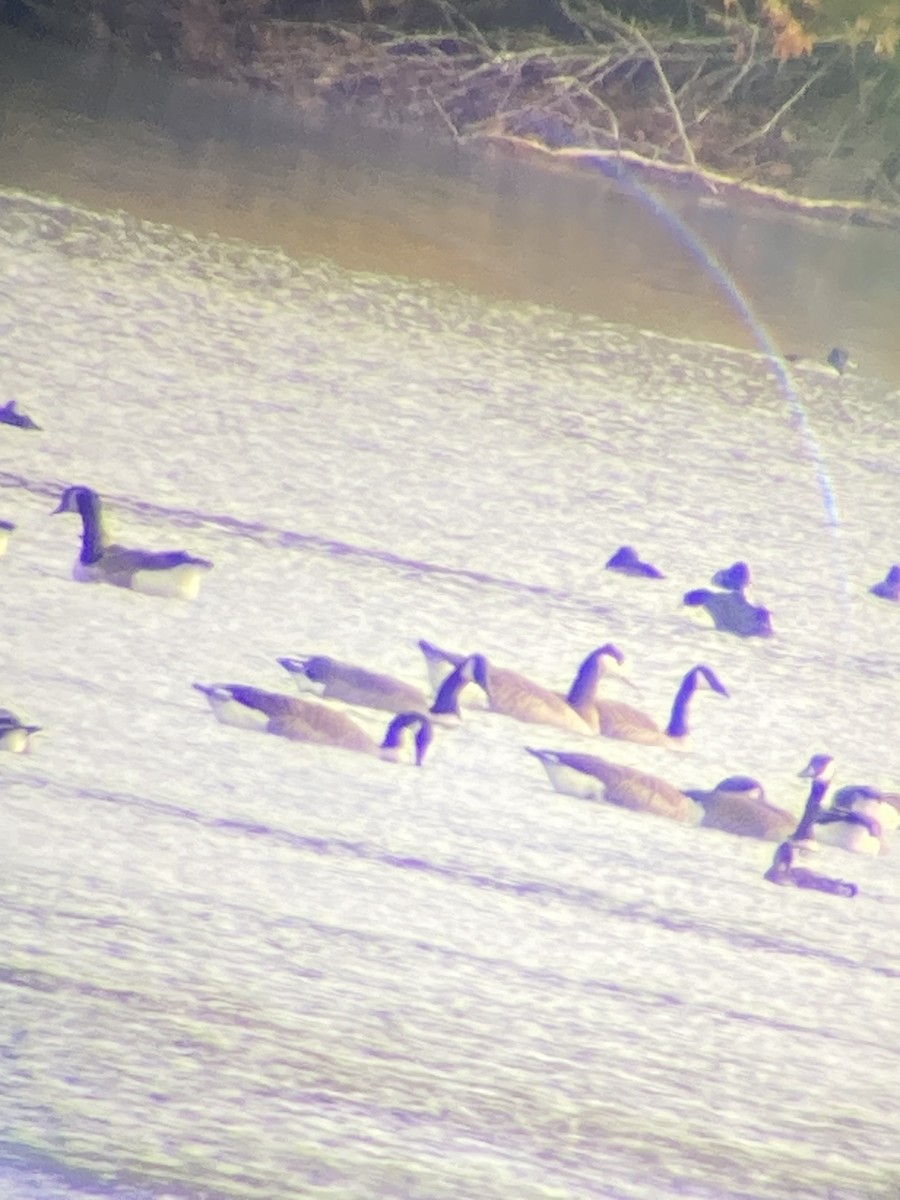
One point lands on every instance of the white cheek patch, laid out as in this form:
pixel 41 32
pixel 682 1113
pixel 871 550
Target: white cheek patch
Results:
pixel 230 712
pixel 303 683
pixel 575 783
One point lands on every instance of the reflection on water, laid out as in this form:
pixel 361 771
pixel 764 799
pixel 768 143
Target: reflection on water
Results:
pixel 207 158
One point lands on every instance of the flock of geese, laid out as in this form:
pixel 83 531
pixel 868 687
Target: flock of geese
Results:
pixel 858 818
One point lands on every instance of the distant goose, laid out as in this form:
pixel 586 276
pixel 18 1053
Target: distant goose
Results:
pixel 514 695
pixel 15 736
pixel 856 832
pixel 156 573
pixel 6 528
pixel 615 719
pixel 592 778
pixel 889 587
pixel 333 680
pixel 732 612
pixel 406 740
pixel 735 578
pixel 784 872
pixel 10 415
pixel 738 805
pixel 626 560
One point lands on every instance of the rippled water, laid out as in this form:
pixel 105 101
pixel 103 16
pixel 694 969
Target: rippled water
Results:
pixel 239 967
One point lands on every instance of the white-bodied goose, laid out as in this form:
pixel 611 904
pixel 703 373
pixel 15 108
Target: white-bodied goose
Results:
pixel 786 873
pixel 615 719
pixel 856 832
pixel 15 736
pixel 406 740
pixel 592 778
pixel 333 680
pixel 732 612
pixel 156 573
pixel 738 805
pixel 6 528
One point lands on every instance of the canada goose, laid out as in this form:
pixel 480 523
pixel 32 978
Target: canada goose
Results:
pixel 407 738
pixel 889 587
pixel 784 872
pixel 732 612
pixel 839 358
pixel 626 560
pixel 513 695
pixel 735 578
pixel 501 689
pixel 156 573
pixel 856 832
pixel 738 805
pixel 592 778
pixel 615 719
pixel 884 807
pixel 439 663
pixel 14 736
pixel 333 680
pixel 462 679
pixel 6 528
pixel 10 415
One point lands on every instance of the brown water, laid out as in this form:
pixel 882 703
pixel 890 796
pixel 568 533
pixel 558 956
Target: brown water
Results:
pixel 212 159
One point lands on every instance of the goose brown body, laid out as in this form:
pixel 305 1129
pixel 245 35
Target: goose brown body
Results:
pixel 592 778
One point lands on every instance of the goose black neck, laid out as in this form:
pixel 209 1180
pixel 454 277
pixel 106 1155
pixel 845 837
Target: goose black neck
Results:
pixel 813 804
pixel 92 539
pixel 678 721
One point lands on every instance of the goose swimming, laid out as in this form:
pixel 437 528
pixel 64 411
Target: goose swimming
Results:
pixel 155 573
pixel 10 415
pixel 6 528
pixel 616 719
pixel 786 873
pixel 732 612
pixel 856 832
pixel 406 739
pixel 889 587
pixel 333 680
pixel 739 805
pixel 15 736
pixel 626 560
pixel 735 578
pixel 592 778
pixel 514 695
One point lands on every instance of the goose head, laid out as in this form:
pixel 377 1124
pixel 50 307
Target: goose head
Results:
pixel 311 674
pixel 735 578
pixel 471 671
pixel 407 738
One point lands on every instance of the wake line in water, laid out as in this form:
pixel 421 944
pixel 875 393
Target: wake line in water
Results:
pixel 726 284
pixel 268 535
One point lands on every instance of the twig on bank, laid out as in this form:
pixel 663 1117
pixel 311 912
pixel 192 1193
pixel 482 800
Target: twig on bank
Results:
pixel 445 116
pixel 788 104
